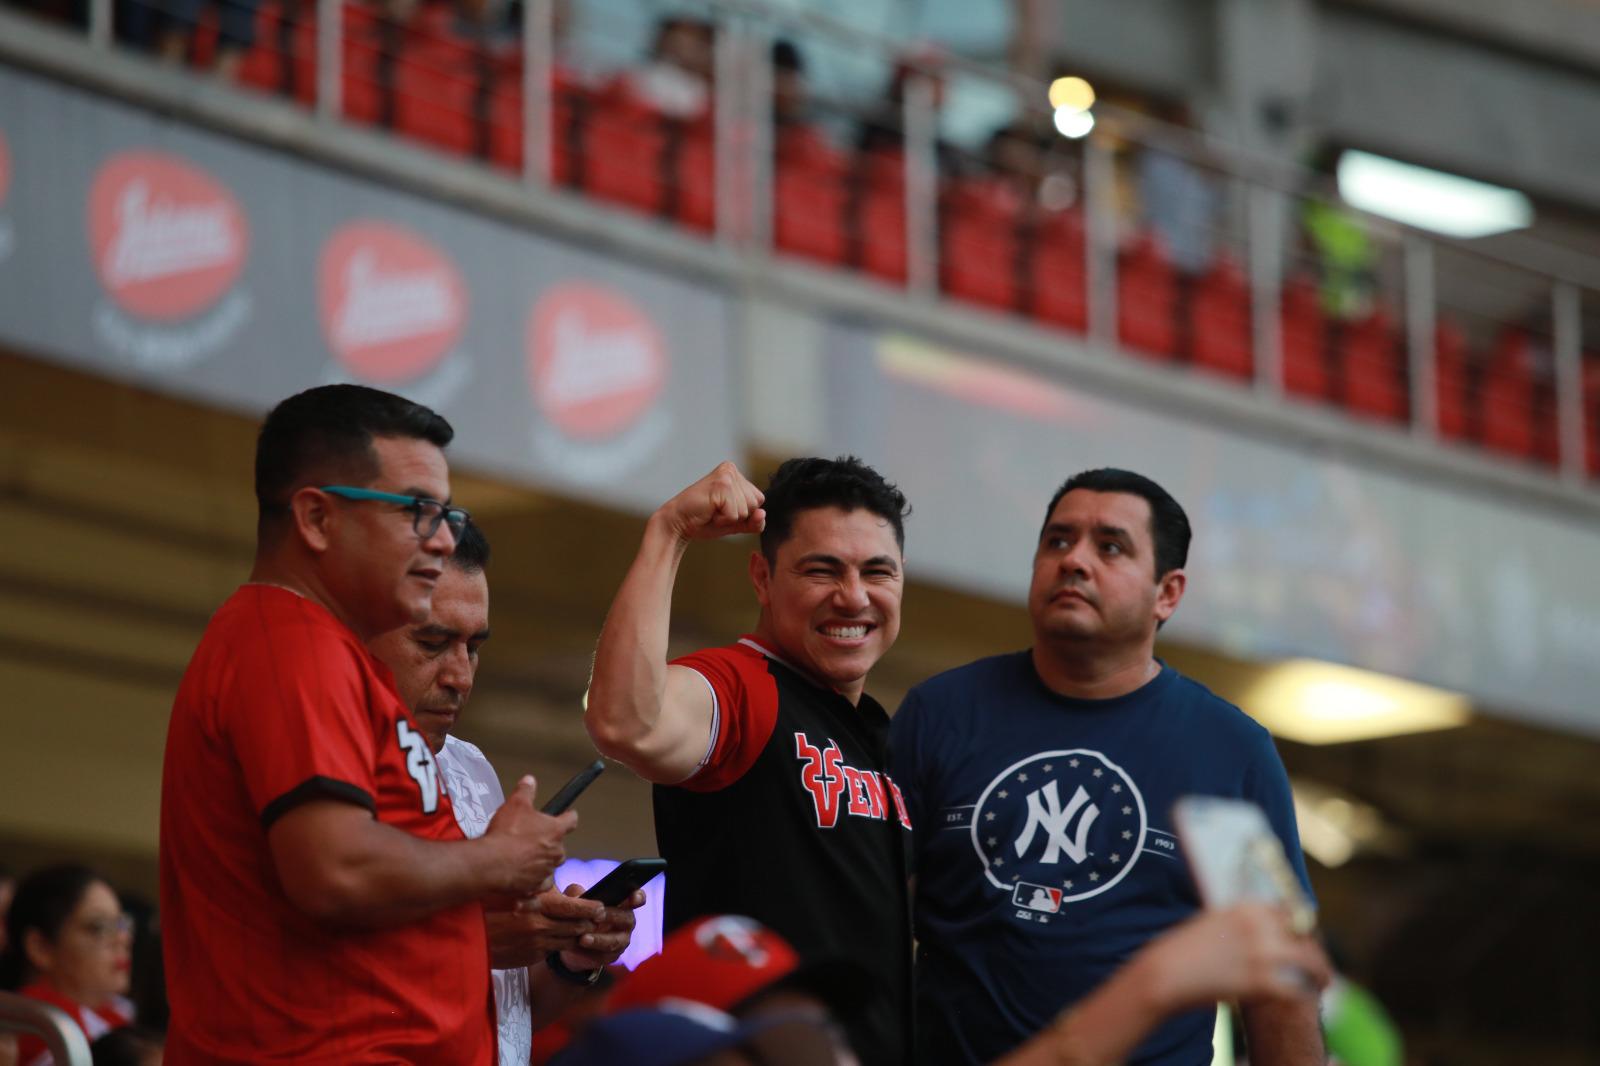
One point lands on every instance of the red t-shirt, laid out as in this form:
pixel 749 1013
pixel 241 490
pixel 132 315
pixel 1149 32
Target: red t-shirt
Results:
pixel 282 704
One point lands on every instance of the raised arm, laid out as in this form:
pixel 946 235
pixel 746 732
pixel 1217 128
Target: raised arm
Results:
pixel 654 718
pixel 343 867
pixel 1247 953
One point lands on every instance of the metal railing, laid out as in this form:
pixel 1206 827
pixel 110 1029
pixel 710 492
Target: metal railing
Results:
pixel 67 1044
pixel 1415 358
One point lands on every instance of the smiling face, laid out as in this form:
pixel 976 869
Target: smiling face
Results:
pixel 372 562
pixel 436 660
pixel 830 599
pixel 1094 579
pixel 89 959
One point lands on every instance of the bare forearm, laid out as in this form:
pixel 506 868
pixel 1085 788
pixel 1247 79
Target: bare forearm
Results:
pixel 382 876
pixel 1284 1033
pixel 1103 1028
pixel 630 662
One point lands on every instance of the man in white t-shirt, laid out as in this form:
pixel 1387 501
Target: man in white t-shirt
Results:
pixel 550 949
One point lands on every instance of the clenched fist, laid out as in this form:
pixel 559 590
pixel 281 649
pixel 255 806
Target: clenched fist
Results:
pixel 721 504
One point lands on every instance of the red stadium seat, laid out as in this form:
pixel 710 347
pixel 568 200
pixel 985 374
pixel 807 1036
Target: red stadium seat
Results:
pixel 437 82
pixel 695 176
pixel 370 47
pixel 1453 385
pixel 1304 335
pixel 1374 366
pixel 1591 411
pixel 624 146
pixel 1147 299
pixel 268 63
pixel 1057 279
pixel 569 103
pixel 1220 327
pixel 810 197
pixel 880 224
pixel 980 242
pixel 1518 419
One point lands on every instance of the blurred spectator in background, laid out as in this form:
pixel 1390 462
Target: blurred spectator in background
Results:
pixel 677 77
pixel 167 28
pixel 131 1045
pixel 1345 255
pixel 8 889
pixel 68 944
pixel 1180 199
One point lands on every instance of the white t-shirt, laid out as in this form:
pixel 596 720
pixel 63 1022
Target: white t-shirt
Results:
pixel 475 794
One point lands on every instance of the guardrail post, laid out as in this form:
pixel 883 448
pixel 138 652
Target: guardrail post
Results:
pixel 1421 334
pixel 1265 250
pixel 1100 249
pixel 1567 315
pixel 330 59
pixel 538 93
pixel 101 15
pixel 921 120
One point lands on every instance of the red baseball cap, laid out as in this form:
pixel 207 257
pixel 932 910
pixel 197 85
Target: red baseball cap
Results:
pixel 725 960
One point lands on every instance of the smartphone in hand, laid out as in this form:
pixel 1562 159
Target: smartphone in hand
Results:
pixel 571 790
pixel 620 883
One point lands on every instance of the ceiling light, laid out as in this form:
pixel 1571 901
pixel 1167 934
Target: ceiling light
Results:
pixel 1323 703
pixel 1073 122
pixel 1430 199
pixel 1071 92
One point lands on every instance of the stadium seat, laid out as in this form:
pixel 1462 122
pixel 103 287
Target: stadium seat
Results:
pixel 880 222
pixel 1518 400
pixel 370 48
pixel 693 150
pixel 810 197
pixel 1304 336
pixel 1220 326
pixel 268 64
pixel 438 79
pixel 1591 411
pixel 1454 388
pixel 1057 281
pixel 1374 368
pixel 624 149
pixel 980 242
pixel 569 103
pixel 1147 299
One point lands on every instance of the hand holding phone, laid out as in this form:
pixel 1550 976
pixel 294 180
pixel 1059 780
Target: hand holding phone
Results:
pixel 573 788
pixel 1237 858
pixel 621 883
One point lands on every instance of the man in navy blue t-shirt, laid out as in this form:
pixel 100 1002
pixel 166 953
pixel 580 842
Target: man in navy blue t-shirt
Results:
pixel 1040 786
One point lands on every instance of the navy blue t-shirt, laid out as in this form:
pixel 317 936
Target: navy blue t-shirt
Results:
pixel 1044 847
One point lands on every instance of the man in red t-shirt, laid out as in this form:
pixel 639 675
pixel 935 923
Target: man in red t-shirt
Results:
pixel 319 903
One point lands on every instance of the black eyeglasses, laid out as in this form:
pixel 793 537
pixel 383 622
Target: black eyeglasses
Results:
pixel 426 513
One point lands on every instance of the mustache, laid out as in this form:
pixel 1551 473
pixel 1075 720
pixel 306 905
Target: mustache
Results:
pixel 1075 585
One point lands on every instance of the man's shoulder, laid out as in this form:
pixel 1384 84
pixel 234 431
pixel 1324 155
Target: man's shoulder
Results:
pixel 1212 711
pixel 267 623
pixel 464 754
pixel 979 676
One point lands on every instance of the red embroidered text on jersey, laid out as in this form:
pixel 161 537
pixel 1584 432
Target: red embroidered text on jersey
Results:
pixel 865 792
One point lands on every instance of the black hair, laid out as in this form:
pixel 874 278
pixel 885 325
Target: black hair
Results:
pixel 43 902
pixel 330 429
pixel 472 550
pixel 786 55
pixel 1169 526
pixel 127 1045
pixel 846 483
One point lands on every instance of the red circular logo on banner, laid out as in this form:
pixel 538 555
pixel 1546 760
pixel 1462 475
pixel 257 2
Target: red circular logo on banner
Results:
pixel 5 169
pixel 597 362
pixel 392 304
pixel 168 239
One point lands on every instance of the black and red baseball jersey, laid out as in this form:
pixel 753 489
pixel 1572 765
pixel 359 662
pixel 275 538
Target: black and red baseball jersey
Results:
pixel 793 821
pixel 281 704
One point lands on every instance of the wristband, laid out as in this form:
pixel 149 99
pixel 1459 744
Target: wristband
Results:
pixel 584 978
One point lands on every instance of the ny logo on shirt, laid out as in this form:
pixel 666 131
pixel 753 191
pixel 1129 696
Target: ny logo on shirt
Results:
pixel 833 785
pixel 420 765
pixel 1049 815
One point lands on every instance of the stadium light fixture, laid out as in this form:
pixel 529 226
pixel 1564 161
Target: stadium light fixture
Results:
pixel 1073 123
pixel 1073 92
pixel 1430 199
pixel 1324 703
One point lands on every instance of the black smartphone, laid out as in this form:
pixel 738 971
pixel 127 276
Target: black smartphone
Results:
pixel 570 791
pixel 619 884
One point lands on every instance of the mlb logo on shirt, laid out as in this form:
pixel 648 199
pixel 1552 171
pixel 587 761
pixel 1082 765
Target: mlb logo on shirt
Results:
pixel 1037 897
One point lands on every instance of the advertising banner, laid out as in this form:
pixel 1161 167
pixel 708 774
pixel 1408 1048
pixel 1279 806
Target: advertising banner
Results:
pixel 158 253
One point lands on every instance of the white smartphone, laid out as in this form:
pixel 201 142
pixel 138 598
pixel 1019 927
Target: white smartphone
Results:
pixel 1235 857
